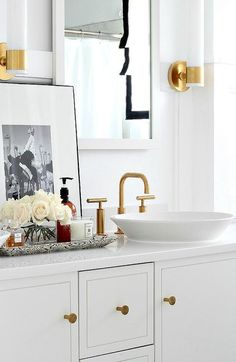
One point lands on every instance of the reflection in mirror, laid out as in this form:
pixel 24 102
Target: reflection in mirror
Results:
pixel 107 59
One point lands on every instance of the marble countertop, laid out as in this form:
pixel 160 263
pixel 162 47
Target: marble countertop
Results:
pixel 122 252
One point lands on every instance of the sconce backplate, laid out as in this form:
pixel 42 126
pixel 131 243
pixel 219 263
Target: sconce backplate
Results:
pixel 177 76
pixel 3 63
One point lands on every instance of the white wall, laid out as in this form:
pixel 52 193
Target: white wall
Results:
pixel 181 169
pixel 225 105
pixel 102 170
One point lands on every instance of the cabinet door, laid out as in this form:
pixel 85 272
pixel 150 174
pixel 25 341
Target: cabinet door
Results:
pixel 145 354
pixel 103 327
pixel 201 326
pixel 32 326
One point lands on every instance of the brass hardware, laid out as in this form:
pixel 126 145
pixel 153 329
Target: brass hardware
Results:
pixel 16 59
pixel 179 75
pixel 124 309
pixel 121 209
pixel 142 207
pixel 100 214
pixel 3 63
pixel 72 318
pixel 171 300
pixel 11 59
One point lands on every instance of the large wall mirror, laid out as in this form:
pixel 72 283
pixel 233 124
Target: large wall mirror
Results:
pixel 107 60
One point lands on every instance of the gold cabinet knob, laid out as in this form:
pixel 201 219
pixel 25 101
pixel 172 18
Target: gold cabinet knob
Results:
pixel 124 309
pixel 171 300
pixel 72 318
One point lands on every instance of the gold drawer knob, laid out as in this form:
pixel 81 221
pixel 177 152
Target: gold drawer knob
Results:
pixel 171 300
pixel 124 309
pixel 72 318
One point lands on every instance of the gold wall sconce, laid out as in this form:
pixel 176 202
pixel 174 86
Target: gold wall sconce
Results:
pixel 182 44
pixel 11 60
pixel 180 76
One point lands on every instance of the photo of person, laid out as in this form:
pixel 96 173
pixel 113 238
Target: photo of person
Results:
pixel 28 161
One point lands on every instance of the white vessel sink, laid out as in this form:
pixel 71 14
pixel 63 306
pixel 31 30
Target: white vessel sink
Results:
pixel 173 226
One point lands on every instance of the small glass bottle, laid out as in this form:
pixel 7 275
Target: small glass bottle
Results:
pixel 16 237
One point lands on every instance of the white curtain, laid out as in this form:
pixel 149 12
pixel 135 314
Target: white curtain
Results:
pixel 93 67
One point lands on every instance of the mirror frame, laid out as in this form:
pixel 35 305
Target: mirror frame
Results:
pixel 58 13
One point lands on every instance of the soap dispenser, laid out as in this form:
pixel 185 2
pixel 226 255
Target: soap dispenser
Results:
pixel 64 193
pixel 64 231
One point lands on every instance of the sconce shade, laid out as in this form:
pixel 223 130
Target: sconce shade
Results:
pixel 182 31
pixel 16 23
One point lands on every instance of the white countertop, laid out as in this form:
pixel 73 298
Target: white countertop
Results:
pixel 116 254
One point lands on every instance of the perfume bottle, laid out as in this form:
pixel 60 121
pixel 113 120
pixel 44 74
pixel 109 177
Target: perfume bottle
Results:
pixel 16 237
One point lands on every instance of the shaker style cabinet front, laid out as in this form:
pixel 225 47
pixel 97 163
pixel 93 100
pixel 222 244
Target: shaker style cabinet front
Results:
pixel 33 328
pixel 145 354
pixel 115 309
pixel 200 323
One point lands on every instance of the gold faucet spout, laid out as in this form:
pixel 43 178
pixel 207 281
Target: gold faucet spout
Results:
pixel 121 209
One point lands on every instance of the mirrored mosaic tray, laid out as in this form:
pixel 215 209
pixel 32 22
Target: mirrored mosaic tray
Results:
pixel 50 247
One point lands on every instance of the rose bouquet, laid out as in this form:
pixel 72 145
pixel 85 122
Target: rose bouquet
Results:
pixel 38 209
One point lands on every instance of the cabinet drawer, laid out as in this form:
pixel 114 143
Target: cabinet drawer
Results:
pixel 145 354
pixel 103 329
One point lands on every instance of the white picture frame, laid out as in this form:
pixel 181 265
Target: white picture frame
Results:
pixel 31 105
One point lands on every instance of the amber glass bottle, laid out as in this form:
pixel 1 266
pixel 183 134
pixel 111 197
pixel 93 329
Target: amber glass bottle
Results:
pixel 16 238
pixel 64 231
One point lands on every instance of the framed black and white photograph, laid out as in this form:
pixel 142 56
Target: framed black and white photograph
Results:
pixel 38 140
pixel 28 162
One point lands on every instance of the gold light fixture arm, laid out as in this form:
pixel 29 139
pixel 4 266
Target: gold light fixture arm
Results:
pixel 179 75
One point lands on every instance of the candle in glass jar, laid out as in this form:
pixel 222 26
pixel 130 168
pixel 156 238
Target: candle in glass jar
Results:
pixel 81 229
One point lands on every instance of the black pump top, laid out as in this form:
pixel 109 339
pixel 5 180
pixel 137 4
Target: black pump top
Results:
pixel 65 178
pixel 64 192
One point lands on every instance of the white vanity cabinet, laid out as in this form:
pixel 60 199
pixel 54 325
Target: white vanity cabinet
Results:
pixel 118 295
pixel 32 324
pixel 115 309
pixel 201 325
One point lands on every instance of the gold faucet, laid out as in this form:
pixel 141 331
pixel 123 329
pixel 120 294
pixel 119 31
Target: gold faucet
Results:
pixel 121 209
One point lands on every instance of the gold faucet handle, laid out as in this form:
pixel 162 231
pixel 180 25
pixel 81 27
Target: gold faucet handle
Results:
pixel 142 198
pixel 100 200
pixel 100 213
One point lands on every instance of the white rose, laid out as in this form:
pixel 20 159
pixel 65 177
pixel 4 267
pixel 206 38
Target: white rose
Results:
pixel 40 211
pixel 26 199
pixel 41 195
pixel 54 198
pixel 67 216
pixel 22 212
pixel 56 211
pixel 7 210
